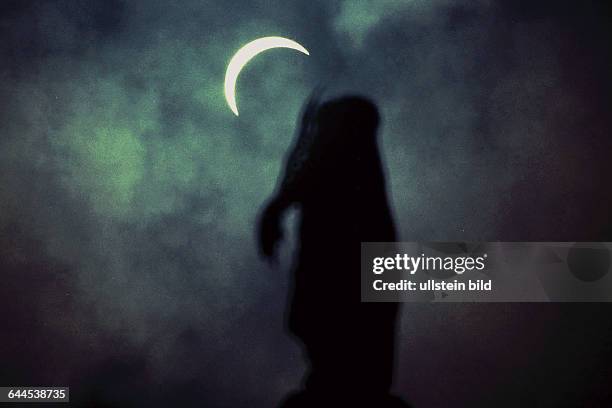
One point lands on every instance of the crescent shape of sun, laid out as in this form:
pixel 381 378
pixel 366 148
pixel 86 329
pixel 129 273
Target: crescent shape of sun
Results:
pixel 247 53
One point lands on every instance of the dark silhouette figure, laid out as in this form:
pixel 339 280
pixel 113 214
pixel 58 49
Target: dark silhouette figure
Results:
pixel 335 176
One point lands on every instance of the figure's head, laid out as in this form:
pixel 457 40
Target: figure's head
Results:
pixel 351 116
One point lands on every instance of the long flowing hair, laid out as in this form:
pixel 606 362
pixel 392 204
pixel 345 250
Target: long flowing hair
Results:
pixel 322 129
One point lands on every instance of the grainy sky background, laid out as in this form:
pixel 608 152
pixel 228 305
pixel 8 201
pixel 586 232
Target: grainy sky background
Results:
pixel 128 189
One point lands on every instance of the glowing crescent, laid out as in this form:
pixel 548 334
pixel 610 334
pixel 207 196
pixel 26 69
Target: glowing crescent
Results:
pixel 244 55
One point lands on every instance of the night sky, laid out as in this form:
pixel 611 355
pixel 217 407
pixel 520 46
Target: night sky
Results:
pixel 129 190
